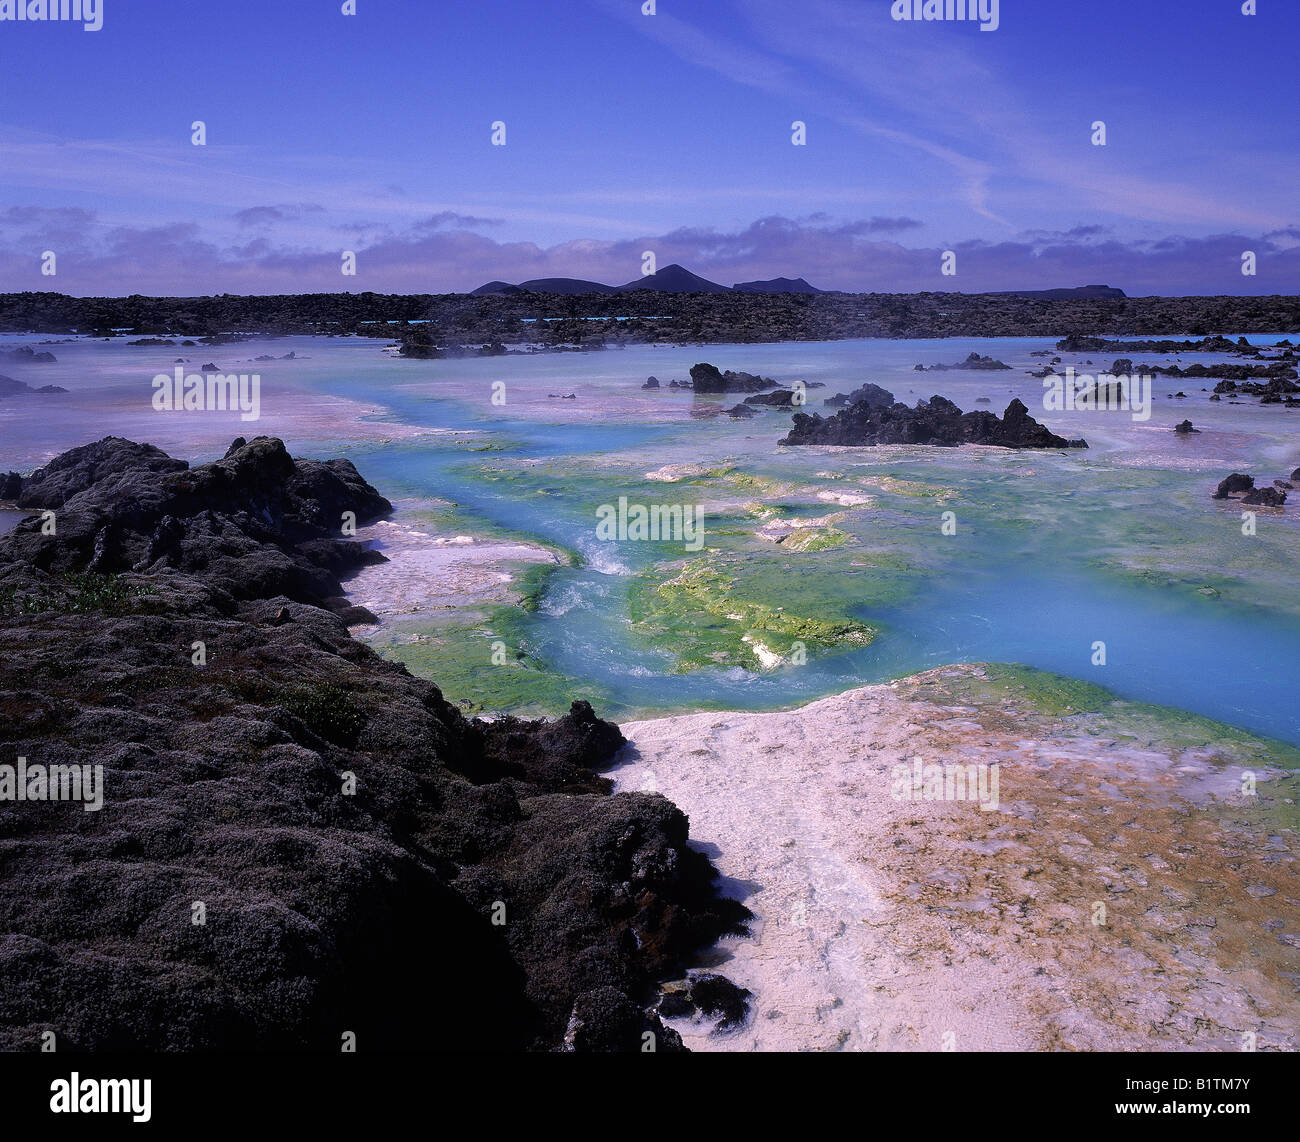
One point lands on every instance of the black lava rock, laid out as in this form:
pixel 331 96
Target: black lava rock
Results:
pixel 936 422
pixel 1234 484
pixel 364 860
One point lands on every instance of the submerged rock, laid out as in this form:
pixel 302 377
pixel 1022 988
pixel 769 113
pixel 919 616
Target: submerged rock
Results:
pixel 1185 428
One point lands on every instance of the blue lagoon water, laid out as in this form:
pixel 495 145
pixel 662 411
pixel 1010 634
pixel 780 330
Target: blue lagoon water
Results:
pixel 1053 553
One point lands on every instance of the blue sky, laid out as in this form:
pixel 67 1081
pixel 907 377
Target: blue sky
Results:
pixel 672 133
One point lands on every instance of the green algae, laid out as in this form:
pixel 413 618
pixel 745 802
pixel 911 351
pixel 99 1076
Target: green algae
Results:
pixel 1099 712
pixel 703 611
pixel 485 665
pixel 1048 693
pixel 814 539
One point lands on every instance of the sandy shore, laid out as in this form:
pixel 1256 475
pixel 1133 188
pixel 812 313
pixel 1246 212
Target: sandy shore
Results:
pixel 1123 894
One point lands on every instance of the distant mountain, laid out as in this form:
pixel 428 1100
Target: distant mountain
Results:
pixel 777 285
pixel 1077 293
pixel 565 285
pixel 495 287
pixel 674 279
pixel 671 279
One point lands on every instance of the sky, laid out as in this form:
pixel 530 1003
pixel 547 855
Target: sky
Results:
pixel 670 133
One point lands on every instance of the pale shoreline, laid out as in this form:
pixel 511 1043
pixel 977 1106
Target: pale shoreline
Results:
pixel 929 925
pixel 452 571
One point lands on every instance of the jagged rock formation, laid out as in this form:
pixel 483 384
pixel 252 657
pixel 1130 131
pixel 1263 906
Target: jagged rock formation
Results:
pixel 1240 484
pixel 346 835
pixel 937 421
pixel 1232 485
pixel 974 362
pixel 1264 497
pixel 868 393
pixel 706 378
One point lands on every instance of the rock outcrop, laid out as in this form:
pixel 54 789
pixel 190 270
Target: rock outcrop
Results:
pixel 706 378
pixel 298 839
pixel 781 398
pixel 865 394
pixel 1234 485
pixel 937 422
pixel 974 362
pixel 1264 497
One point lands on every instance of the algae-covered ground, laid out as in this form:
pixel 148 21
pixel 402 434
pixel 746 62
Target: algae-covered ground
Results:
pixel 784 572
pixel 805 556
pixel 1099 712
pixel 748 610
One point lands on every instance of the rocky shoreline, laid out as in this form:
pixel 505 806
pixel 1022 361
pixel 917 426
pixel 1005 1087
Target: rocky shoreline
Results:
pixel 299 841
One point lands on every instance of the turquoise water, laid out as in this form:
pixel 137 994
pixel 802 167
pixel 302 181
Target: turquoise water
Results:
pixel 1053 552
